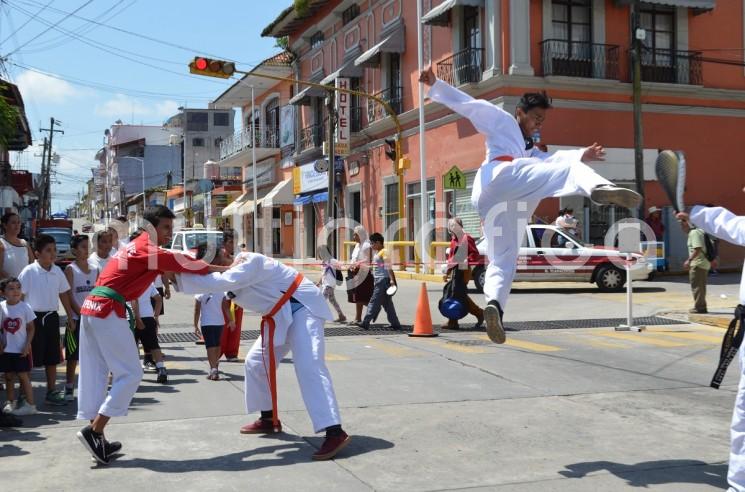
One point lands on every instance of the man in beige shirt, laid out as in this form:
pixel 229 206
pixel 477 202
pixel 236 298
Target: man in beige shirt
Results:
pixel 697 264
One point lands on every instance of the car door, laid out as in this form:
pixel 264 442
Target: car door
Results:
pixel 555 256
pixel 178 242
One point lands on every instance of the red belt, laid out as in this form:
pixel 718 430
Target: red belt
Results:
pixel 267 321
pixel 503 158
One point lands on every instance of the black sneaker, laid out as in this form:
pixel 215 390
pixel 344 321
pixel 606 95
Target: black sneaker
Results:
pixel 112 447
pixel 149 366
pixel 493 318
pixel 162 375
pixel 94 443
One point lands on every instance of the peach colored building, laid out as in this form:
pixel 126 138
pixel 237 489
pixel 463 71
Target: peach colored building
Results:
pixel 577 50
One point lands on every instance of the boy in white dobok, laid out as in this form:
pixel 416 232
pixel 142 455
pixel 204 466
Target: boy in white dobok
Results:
pixel 725 225
pixel 515 177
pixel 298 311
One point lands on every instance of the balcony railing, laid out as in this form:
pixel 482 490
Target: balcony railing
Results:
pixel 464 67
pixel 580 59
pixel 355 119
pixel 311 137
pixel 393 96
pixel 266 137
pixel 671 66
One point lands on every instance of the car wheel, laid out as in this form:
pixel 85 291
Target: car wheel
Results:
pixel 610 278
pixel 479 278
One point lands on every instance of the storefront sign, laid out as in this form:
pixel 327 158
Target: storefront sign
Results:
pixel 343 101
pixel 353 167
pixel 306 178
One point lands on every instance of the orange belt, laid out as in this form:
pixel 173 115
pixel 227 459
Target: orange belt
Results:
pixel 503 158
pixel 267 321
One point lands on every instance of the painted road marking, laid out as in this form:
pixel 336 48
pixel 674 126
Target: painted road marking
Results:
pixel 699 337
pixel 336 357
pixel 392 349
pixel 643 338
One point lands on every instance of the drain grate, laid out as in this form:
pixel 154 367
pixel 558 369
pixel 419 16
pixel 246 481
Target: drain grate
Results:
pixel 348 330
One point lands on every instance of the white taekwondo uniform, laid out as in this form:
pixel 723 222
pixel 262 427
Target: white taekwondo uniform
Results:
pixel 725 225
pixel 507 193
pixel 257 284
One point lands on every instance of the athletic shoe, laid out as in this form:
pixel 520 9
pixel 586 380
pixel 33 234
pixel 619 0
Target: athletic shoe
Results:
pixel 493 318
pixel 94 443
pixel 261 427
pixel 69 394
pixel 149 366
pixel 55 398
pixel 162 375
pixel 8 407
pixel 214 375
pixel 341 319
pixel 25 409
pixel 614 195
pixel 331 446
pixel 112 448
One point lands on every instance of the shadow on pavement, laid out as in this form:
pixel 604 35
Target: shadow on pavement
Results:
pixel 583 290
pixel 293 450
pixel 646 473
pixel 17 435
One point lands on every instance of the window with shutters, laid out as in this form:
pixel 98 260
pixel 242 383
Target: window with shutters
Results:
pixel 350 14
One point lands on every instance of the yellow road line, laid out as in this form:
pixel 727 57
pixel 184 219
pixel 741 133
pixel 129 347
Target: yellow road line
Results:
pixel 643 338
pixel 699 337
pixel 336 357
pixel 456 347
pixel 391 348
pixel 524 344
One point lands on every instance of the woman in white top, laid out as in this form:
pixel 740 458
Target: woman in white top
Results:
pixel 15 253
pixel 360 282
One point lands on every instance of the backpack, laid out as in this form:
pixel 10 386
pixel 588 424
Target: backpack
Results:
pixel 711 252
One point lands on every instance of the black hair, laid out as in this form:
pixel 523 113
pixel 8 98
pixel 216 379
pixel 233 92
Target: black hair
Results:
pixel 377 237
pixel 6 218
pixel 9 280
pixel 77 240
pixel 532 100
pixel 228 235
pixel 156 213
pixel 41 242
pixel 242 245
pixel 99 234
pixel 122 218
pixel 203 249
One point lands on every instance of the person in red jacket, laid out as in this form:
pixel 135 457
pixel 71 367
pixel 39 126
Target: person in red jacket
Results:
pixel 106 341
pixel 463 254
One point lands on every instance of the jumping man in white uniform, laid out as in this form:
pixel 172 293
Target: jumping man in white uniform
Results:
pixel 515 177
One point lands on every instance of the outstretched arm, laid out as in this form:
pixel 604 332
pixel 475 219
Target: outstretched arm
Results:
pixel 719 222
pixel 251 271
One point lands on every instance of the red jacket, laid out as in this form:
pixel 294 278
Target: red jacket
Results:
pixel 473 258
pixel 132 270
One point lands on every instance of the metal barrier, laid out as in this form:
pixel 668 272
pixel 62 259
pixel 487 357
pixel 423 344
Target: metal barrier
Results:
pixel 433 251
pixel 401 246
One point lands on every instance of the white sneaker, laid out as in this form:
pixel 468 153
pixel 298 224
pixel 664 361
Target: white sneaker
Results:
pixel 8 407
pixel 26 409
pixel 615 195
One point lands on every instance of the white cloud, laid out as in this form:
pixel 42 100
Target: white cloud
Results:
pixel 125 107
pixel 43 89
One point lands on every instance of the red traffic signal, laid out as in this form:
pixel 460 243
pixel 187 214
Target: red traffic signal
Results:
pixel 212 68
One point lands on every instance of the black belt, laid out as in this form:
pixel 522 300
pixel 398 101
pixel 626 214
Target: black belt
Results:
pixel 730 344
pixel 42 315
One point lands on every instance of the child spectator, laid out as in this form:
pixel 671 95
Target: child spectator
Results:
pixel 383 277
pixel 81 275
pixel 327 284
pixel 44 285
pixel 146 328
pixel 102 255
pixel 17 328
pixel 210 312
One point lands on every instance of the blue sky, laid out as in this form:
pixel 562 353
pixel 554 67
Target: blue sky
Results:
pixel 114 81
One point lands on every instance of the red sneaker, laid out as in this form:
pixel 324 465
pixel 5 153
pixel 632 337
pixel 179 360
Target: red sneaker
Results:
pixel 261 427
pixel 331 446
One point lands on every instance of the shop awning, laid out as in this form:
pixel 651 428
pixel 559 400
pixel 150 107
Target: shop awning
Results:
pixel 693 4
pixel 303 97
pixel 392 43
pixel 233 206
pixel 280 195
pixel 348 69
pixel 440 15
pixel 247 207
pixel 319 197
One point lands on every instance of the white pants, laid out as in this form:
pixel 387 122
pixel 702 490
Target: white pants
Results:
pixel 107 346
pixel 736 473
pixel 507 193
pixel 305 340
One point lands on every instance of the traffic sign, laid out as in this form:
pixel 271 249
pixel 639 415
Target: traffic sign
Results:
pixel 454 179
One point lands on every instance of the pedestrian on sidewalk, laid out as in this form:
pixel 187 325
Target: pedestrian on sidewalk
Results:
pixel 697 264
pixel 725 225
pixel 359 279
pixel 44 286
pixel 15 253
pixel 146 329
pixel 81 276
pixel 16 333
pixel 102 241
pixel 464 255
pixel 106 342
pixel 383 277
pixel 514 177
pixel 328 281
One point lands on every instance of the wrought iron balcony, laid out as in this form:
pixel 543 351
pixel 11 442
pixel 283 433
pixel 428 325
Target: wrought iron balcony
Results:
pixel 311 137
pixel 672 66
pixel 393 96
pixel 266 137
pixel 464 67
pixel 579 59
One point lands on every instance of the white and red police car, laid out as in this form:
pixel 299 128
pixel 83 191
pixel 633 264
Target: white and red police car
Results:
pixel 550 254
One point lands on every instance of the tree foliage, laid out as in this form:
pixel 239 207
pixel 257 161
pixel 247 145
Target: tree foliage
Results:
pixel 301 7
pixel 8 122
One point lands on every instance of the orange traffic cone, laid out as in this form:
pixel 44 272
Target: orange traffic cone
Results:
pixel 423 320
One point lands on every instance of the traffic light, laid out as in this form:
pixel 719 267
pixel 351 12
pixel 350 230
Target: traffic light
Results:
pixel 391 152
pixel 212 68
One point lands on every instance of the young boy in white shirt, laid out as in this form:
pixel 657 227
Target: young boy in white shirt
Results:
pixel 146 328
pixel 44 285
pixel 17 331
pixel 99 258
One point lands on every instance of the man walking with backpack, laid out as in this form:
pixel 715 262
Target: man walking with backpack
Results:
pixel 698 264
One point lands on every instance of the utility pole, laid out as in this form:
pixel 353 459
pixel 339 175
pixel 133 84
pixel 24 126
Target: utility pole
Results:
pixel 46 173
pixel 636 54
pixel 330 204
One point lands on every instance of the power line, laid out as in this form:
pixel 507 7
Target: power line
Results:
pixel 41 9
pixel 53 26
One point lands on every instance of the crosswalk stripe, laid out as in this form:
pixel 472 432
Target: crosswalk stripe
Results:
pixel 699 337
pixel 535 347
pixel 336 357
pixel 643 338
pixel 390 348
pixel 466 349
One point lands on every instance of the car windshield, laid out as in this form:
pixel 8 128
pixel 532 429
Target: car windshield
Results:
pixel 194 239
pixel 60 237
